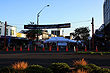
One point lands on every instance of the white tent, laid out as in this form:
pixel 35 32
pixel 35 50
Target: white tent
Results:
pixel 61 41
pixel 53 39
pixel 72 41
pixel 58 39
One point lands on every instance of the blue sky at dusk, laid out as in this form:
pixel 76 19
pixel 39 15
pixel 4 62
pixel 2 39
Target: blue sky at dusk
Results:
pixel 77 12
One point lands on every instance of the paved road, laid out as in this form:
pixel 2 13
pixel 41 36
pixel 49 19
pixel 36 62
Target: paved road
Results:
pixel 45 58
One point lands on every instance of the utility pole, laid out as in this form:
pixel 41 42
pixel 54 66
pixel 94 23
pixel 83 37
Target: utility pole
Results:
pixel 5 35
pixel 92 32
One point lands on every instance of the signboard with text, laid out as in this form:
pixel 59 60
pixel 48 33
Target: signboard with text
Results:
pixel 66 25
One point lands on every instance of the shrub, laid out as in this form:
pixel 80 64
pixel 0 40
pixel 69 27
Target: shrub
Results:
pixel 37 69
pixel 20 65
pixel 7 70
pixel 105 70
pixel 59 67
pixel 80 71
pixel 79 62
pixel 92 68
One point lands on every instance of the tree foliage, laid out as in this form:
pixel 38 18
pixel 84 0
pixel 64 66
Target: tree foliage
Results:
pixel 31 34
pixel 81 33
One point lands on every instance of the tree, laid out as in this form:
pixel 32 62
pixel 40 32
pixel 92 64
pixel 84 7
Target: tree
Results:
pixel 31 34
pixel 81 33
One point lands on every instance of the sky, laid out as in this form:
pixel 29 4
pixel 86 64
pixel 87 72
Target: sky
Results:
pixel 77 12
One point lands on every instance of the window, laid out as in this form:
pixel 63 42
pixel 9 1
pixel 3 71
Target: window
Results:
pixel 55 33
pixel 12 32
pixel 0 30
pixel 52 32
pixel 58 33
pixel 6 31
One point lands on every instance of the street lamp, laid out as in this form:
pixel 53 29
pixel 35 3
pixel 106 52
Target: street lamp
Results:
pixel 38 18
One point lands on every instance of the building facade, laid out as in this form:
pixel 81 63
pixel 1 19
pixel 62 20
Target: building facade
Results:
pixel 103 33
pixel 10 30
pixel 106 12
pixel 57 32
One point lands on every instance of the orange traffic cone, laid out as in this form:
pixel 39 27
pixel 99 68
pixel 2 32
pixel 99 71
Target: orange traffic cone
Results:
pixel 14 48
pixel 85 48
pixel 66 48
pixel 76 48
pixel 28 48
pixel 43 48
pixel 34 48
pixel 50 48
pixel 96 49
pixel 20 48
pixel 7 49
pixel 57 48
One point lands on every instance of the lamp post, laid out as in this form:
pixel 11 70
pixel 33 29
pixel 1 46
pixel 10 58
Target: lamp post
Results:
pixel 38 18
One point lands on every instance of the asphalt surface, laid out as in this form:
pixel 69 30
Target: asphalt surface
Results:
pixel 45 58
